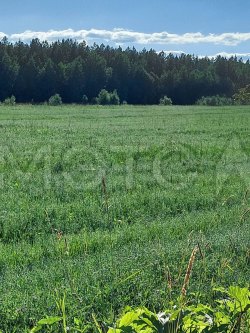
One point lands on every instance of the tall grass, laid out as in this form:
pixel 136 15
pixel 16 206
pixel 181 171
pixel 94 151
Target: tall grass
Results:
pixel 107 204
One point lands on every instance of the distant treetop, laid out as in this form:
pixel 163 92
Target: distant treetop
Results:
pixel 78 73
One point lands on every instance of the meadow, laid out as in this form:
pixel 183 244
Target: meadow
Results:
pixel 105 205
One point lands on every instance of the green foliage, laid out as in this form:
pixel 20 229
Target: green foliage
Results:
pixel 114 98
pixel 231 314
pixel 9 69
pixel 103 97
pixel 10 101
pixel 165 101
pixel 45 322
pixel 108 98
pixel 48 79
pixel 225 315
pixel 243 96
pixel 140 77
pixel 73 74
pixel 214 101
pixel 60 323
pixel 85 99
pixel 55 100
pixel 137 320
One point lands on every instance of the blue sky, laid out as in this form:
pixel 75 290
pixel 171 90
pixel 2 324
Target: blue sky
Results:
pixel 200 27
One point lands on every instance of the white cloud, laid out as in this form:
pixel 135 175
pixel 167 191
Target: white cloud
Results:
pixel 2 35
pixel 127 36
pixel 174 52
pixel 222 54
pixel 229 55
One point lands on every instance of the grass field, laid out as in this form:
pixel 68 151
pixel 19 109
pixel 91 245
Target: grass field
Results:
pixel 106 204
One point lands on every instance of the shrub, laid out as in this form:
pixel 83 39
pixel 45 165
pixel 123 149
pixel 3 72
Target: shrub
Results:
pixel 85 99
pixel 10 100
pixel 214 101
pixel 114 98
pixel 103 97
pixel 55 100
pixel 107 98
pixel 242 97
pixel 165 101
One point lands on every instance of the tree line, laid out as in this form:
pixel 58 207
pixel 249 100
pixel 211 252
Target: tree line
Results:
pixel 35 71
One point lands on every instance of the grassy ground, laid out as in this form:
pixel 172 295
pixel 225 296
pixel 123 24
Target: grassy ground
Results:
pixel 106 204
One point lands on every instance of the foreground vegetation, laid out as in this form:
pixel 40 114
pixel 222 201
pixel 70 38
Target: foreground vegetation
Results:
pixel 105 204
pixel 231 314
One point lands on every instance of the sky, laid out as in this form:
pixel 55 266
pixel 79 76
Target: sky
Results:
pixel 199 27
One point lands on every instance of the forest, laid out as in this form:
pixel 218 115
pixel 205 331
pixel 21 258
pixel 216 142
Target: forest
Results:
pixel 33 72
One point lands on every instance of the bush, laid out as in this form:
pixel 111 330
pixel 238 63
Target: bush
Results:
pixel 103 97
pixel 85 99
pixel 107 98
pixel 214 101
pixel 55 100
pixel 114 98
pixel 242 97
pixel 165 101
pixel 10 100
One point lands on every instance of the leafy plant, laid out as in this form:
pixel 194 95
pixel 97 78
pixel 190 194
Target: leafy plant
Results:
pixel 214 101
pixel 55 100
pixel 85 99
pixel 59 323
pixel 243 96
pixel 114 98
pixel 47 322
pixel 10 100
pixel 108 98
pixel 165 101
pixel 230 314
pixel 103 97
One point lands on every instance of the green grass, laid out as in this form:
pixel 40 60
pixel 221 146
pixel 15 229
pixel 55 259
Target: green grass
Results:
pixel 104 202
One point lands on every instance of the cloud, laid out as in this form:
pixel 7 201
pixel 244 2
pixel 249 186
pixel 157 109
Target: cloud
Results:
pixel 120 36
pixel 2 35
pixel 174 52
pixel 229 55
pixel 222 54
